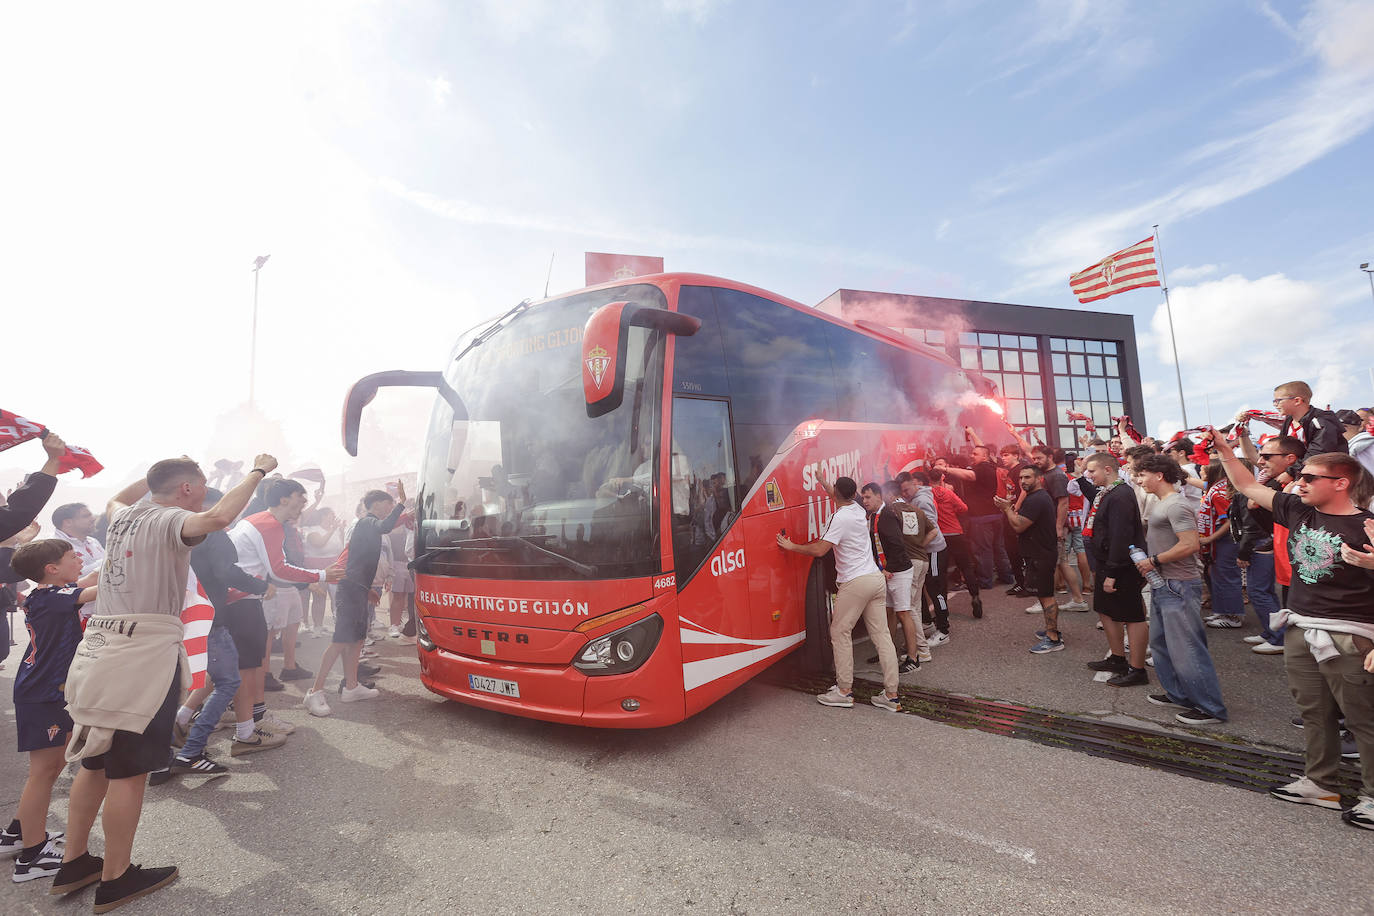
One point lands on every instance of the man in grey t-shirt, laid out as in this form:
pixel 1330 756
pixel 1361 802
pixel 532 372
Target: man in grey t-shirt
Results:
pixel 1178 639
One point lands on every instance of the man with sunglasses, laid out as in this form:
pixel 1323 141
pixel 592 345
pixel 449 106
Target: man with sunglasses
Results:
pixel 1330 613
pixel 1319 430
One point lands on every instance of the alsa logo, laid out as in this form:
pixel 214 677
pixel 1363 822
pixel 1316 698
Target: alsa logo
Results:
pixel 725 563
pixel 668 581
pixel 598 361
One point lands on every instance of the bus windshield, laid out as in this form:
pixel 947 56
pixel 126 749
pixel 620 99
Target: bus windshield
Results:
pixel 527 486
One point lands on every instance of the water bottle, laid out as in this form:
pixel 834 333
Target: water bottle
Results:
pixel 1153 576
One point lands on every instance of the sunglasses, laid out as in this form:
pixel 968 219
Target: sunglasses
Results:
pixel 1309 478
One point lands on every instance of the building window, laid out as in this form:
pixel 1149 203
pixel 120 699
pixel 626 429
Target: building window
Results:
pixel 1087 380
pixel 1012 363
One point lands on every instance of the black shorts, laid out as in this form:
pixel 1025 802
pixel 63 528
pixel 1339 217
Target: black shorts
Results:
pixel 132 754
pixel 1040 574
pixel 1125 605
pixel 248 628
pixel 351 613
pixel 42 725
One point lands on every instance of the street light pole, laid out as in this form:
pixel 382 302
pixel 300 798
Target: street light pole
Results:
pixel 1369 272
pixel 253 352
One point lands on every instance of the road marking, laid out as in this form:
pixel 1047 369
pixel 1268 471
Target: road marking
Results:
pixel 1006 849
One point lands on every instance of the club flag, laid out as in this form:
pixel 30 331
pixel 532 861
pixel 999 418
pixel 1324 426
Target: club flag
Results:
pixel 197 616
pixel 1129 268
pixel 602 268
pixel 14 429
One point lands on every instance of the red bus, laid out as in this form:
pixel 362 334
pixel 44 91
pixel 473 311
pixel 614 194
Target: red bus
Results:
pixel 605 473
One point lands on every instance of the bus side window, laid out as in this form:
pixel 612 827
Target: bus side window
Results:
pixel 780 374
pixel 703 453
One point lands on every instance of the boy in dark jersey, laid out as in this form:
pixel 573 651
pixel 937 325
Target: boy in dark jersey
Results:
pixel 52 616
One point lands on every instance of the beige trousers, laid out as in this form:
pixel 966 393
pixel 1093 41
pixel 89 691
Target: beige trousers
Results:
pixel 864 597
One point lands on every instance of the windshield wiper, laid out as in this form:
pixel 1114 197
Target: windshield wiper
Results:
pixel 495 327
pixel 486 543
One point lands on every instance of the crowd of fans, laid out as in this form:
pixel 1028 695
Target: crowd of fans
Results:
pixel 1146 533
pixel 1155 533
pixel 107 608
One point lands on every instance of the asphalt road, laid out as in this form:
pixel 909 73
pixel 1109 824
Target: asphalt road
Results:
pixel 765 803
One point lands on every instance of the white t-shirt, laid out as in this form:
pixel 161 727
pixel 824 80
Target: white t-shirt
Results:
pixel 848 531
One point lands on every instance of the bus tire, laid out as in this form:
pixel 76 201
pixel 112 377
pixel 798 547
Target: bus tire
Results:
pixel 816 655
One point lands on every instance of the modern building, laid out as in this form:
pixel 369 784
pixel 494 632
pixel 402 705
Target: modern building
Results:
pixel 1044 361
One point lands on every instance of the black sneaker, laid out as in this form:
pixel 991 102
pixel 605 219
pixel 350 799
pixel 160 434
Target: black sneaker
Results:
pixel 977 607
pixel 872 661
pixel 1348 749
pixel 295 674
pixel 158 777
pixel 1017 591
pixel 76 874
pixel 134 883
pixel 199 765
pixel 366 670
pixel 1163 699
pixel 46 860
pixel 1297 721
pixel 1131 677
pixel 1197 717
pixel 271 683
pixel 1116 664
pixel 909 665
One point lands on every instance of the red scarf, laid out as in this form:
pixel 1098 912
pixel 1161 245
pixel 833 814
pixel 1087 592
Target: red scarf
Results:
pixel 1097 501
pixel 878 542
pixel 14 429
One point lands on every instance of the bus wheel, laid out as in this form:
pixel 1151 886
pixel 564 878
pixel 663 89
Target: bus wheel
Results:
pixel 816 655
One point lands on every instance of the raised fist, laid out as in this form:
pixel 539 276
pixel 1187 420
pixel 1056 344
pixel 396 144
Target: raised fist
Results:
pixel 265 463
pixel 53 445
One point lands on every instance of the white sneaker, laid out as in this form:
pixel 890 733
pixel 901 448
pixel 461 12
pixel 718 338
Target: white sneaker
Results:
pixel 923 656
pixel 316 632
pixel 1080 606
pixel 359 692
pixel 394 633
pixel 1306 792
pixel 369 653
pixel 276 725
pixel 1254 640
pixel 406 640
pixel 1035 609
pixel 833 697
pixel 939 639
pixel 316 702
pixel 1265 648
pixel 369 641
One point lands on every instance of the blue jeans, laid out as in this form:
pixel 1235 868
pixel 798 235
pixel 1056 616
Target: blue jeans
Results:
pixel 1178 641
pixel 989 548
pixel 223 669
pixel 1226 594
pixel 1263 599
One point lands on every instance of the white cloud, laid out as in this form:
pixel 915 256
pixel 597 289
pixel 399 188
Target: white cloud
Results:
pixel 1329 110
pixel 1273 15
pixel 1249 310
pixel 942 229
pixel 440 89
pixel 1184 274
pixel 699 11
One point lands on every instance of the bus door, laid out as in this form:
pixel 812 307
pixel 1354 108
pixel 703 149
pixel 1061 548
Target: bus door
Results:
pixel 708 547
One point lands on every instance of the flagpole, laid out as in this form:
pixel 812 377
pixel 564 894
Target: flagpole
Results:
pixel 253 346
pixel 1169 311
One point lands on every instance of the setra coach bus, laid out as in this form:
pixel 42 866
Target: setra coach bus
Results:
pixel 605 473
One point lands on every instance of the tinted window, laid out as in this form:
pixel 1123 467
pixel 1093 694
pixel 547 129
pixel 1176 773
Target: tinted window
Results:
pixel 865 387
pixel 779 371
pixel 704 492
pixel 699 364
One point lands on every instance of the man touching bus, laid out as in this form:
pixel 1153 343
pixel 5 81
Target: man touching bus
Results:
pixel 862 593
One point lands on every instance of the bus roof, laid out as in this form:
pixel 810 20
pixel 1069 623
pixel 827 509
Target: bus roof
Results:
pixel 872 329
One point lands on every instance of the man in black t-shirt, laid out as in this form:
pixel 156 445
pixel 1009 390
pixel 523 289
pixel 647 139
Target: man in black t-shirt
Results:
pixel 1330 619
pixel 1034 525
pixel 984 519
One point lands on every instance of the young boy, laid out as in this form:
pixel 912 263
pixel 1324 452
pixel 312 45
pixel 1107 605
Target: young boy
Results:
pixel 52 615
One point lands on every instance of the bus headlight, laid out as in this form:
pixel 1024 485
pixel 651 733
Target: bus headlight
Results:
pixel 622 651
pixel 422 635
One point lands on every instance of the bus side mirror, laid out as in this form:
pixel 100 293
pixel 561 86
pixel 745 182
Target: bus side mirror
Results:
pixel 604 342
pixel 365 389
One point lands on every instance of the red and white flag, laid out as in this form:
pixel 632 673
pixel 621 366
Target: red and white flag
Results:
pixel 14 429
pixel 1129 268
pixel 197 616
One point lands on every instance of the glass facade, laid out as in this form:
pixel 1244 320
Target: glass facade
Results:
pixel 1087 380
pixel 1041 377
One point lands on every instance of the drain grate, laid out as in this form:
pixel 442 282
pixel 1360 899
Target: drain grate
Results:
pixel 1240 765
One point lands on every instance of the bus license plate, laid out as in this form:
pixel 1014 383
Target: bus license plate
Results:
pixel 494 685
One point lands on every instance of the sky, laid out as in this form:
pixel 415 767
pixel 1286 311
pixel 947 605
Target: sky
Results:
pixel 411 168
